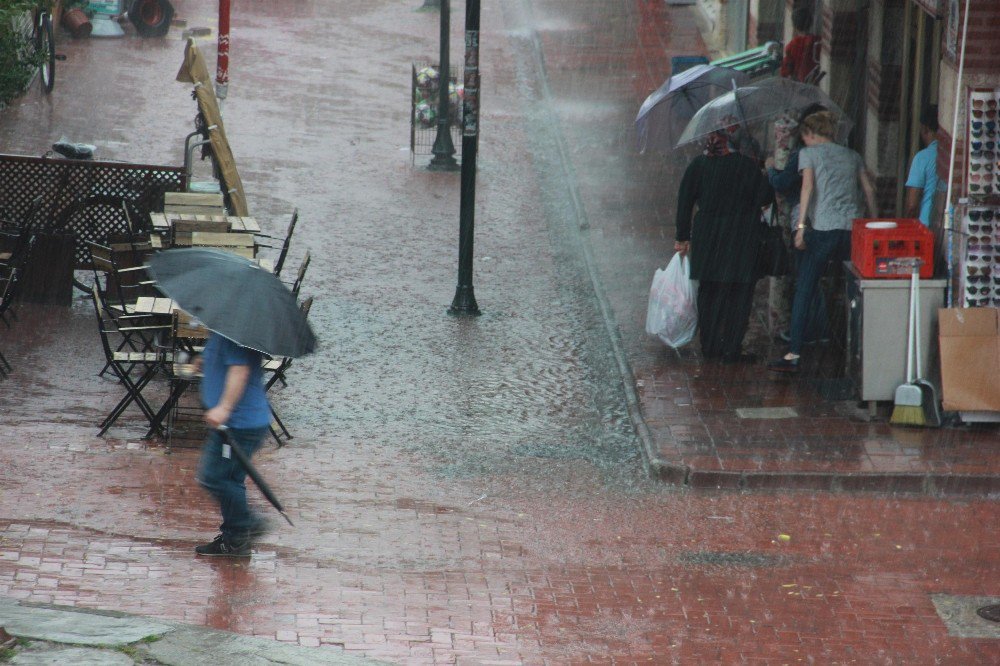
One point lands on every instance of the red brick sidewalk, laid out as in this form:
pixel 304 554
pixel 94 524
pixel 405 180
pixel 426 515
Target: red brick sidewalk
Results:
pixel 432 526
pixel 691 409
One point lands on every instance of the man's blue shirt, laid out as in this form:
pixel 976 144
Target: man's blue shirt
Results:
pixel 252 411
pixel 923 175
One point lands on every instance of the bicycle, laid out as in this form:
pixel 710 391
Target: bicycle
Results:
pixel 45 48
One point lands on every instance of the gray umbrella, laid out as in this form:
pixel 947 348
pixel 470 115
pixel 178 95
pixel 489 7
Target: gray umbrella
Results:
pixel 754 106
pixel 236 298
pixel 666 112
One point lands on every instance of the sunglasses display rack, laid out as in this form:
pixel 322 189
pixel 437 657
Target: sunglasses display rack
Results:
pixel 980 222
pixel 982 177
pixel 981 268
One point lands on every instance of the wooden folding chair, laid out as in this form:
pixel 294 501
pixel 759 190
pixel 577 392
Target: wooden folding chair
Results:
pixel 301 275
pixel 283 253
pixel 124 363
pixel 274 370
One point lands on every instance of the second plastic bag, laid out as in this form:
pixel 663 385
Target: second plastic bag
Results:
pixel 672 314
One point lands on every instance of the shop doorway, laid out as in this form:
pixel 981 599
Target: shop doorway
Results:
pixel 921 68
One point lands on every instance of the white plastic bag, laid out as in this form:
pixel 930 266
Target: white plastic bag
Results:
pixel 673 311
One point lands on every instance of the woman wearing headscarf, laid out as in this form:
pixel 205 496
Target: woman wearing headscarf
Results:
pixel 718 223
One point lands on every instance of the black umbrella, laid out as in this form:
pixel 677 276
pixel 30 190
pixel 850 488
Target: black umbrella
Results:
pixel 254 474
pixel 236 298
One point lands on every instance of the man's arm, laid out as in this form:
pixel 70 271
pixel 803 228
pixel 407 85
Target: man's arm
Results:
pixel 911 205
pixel 237 377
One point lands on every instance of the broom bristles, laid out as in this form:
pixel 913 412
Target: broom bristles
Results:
pixel 908 415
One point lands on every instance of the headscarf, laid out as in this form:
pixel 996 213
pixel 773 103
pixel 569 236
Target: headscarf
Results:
pixel 722 142
pixel 717 144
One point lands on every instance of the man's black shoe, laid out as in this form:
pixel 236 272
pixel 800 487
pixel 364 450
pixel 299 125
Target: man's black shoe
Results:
pixel 223 547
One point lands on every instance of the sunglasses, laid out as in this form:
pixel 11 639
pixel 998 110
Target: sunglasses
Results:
pixel 977 278
pixel 976 228
pixel 981 258
pixel 979 126
pixel 982 154
pixel 976 302
pixel 984 214
pixel 985 166
pixel 983 113
pixel 985 271
pixel 976 188
pixel 987 103
pixel 981 178
pixel 979 145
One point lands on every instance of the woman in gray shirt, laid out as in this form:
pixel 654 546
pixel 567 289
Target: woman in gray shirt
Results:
pixel 833 181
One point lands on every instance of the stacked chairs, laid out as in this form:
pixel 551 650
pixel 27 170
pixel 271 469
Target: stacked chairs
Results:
pixel 16 243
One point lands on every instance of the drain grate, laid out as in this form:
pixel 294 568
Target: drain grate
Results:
pixel 737 559
pixel 964 615
pixel 766 413
pixel 991 613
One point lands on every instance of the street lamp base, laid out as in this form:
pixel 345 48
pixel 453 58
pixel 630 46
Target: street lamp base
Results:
pixel 465 302
pixel 447 163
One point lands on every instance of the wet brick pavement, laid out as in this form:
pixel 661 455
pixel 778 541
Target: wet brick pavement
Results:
pixel 465 492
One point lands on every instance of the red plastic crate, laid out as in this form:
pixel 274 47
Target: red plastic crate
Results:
pixel 873 250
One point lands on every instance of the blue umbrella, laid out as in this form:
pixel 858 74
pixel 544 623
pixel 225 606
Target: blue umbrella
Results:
pixel 666 112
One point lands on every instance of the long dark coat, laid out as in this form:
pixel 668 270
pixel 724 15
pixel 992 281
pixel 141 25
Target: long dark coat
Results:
pixel 725 235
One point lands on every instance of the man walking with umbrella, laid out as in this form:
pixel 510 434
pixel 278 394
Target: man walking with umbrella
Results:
pixel 232 392
pixel 250 314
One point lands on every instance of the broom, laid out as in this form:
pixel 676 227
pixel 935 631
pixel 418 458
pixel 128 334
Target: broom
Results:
pixel 908 403
pixel 929 405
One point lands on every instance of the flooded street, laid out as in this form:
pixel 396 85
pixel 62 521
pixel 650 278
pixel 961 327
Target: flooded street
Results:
pixel 465 490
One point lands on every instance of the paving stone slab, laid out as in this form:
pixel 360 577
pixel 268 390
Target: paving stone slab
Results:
pixel 76 627
pixel 60 656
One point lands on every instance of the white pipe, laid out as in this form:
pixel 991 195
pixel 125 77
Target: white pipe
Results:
pixel 949 221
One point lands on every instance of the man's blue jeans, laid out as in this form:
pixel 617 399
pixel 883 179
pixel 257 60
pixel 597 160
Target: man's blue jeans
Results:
pixel 821 248
pixel 225 478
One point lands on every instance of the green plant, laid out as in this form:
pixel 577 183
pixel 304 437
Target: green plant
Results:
pixel 18 62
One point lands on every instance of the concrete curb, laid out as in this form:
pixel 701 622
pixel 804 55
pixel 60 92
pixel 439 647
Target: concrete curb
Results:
pixel 52 634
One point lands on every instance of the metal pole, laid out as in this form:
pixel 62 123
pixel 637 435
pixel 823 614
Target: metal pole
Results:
pixel 222 56
pixel 465 298
pixel 444 149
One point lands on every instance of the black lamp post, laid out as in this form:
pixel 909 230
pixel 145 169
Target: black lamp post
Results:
pixel 465 298
pixel 444 149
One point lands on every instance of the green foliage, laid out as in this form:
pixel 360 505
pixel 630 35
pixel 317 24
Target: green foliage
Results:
pixel 18 61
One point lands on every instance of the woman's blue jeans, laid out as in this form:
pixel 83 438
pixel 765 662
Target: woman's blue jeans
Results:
pixel 821 248
pixel 225 478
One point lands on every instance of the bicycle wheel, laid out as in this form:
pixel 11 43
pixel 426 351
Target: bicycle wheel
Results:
pixel 45 46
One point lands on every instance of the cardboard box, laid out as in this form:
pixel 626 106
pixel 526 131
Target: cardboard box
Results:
pixel 970 358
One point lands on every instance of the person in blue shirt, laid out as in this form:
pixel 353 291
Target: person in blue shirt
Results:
pixel 232 392
pixel 922 181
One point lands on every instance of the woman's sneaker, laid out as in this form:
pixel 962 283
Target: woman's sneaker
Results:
pixel 223 547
